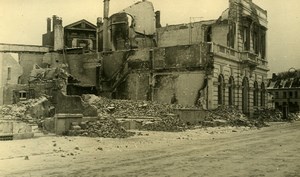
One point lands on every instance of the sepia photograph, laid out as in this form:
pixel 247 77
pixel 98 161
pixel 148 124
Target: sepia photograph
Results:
pixel 149 88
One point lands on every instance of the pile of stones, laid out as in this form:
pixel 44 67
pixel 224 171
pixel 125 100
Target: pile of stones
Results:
pixel 270 115
pixel 169 123
pixel 161 115
pixel 126 108
pixel 21 111
pixel 230 116
pixel 106 128
pixel 293 117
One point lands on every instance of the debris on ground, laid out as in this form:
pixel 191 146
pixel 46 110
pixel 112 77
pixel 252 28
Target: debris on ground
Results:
pixel 161 115
pixel 274 115
pixel 293 116
pixel 126 108
pixel 270 115
pixel 230 116
pixel 27 111
pixel 167 124
pixel 106 128
pixel 222 116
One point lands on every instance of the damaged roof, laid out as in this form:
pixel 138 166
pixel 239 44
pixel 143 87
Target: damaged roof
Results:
pixel 78 25
pixel 284 80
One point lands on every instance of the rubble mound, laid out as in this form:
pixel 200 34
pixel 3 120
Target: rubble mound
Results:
pixel 270 115
pixel 160 115
pixel 167 124
pixel 274 115
pixel 230 116
pixel 126 108
pixel 293 116
pixel 25 111
pixel 106 128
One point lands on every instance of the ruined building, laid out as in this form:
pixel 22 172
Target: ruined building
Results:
pixel 129 55
pixel 205 63
pixel 73 48
pixel 16 63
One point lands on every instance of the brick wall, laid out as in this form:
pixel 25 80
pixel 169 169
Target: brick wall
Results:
pixel 27 61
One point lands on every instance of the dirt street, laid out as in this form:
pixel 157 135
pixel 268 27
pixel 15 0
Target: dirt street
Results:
pixel 272 151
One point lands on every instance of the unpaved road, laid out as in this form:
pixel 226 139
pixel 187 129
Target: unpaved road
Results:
pixel 272 151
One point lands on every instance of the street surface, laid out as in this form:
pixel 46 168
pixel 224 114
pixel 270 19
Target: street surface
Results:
pixel 231 152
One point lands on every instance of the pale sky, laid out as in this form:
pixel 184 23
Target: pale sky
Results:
pixel 24 21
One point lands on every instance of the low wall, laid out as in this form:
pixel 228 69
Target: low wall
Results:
pixel 18 130
pixel 63 122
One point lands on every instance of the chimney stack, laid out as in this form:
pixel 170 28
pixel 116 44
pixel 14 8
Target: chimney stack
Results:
pixel 58 33
pixel 105 25
pixel 56 20
pixel 157 19
pixel 48 25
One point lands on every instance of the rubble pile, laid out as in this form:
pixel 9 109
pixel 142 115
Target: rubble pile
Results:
pixel 22 111
pixel 293 116
pixel 166 121
pixel 274 115
pixel 126 108
pixel 270 115
pixel 226 115
pixel 106 128
pixel 167 124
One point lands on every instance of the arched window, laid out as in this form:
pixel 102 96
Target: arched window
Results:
pixel 245 96
pixel 221 90
pixel 231 91
pixel 255 94
pixel 263 95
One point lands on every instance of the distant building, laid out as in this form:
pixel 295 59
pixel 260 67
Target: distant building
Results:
pixel 80 34
pixel 285 90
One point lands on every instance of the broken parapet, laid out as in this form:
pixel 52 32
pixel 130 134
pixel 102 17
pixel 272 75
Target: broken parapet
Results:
pixel 72 104
pixel 70 109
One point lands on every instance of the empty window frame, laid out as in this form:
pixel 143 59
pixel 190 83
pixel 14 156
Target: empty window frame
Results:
pixel 9 73
pixel 221 90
